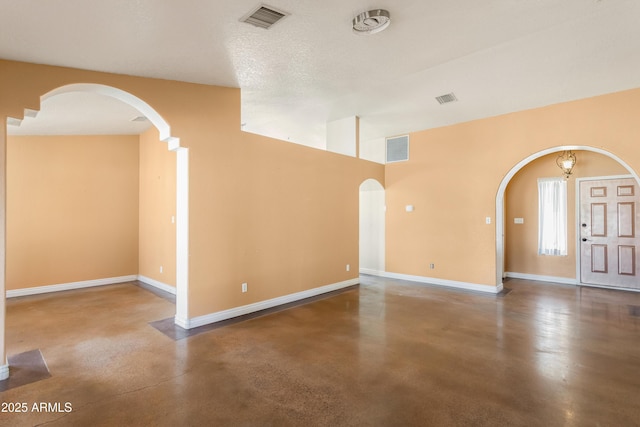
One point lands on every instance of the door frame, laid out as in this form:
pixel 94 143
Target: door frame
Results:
pixel 381 245
pixel 577 224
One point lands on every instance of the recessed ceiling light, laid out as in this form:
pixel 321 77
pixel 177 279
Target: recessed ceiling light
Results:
pixel 139 119
pixel 371 22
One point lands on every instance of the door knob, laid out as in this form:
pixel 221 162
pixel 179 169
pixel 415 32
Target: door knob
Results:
pixel 584 239
pixel 584 225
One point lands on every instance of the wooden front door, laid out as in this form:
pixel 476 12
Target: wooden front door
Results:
pixel 609 225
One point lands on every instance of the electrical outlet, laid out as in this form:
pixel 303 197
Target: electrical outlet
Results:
pixel 348 267
pixel 161 269
pixel 432 266
pixel 244 287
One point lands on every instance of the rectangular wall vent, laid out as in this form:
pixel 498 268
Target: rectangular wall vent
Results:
pixel 398 149
pixel 444 99
pixel 264 16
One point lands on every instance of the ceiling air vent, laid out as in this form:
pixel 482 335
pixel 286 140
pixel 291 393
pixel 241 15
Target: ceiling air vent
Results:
pixel 398 149
pixel 264 16
pixel 444 99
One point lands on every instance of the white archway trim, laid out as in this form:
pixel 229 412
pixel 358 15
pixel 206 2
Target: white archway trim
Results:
pixel 163 127
pixel 505 181
pixel 371 184
pixel 182 183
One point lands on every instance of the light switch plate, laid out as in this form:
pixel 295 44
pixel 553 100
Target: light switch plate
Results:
pixel 518 220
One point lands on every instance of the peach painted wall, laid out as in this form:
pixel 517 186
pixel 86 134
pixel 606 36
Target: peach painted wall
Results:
pixel 157 238
pixel 521 201
pixel 72 209
pixel 454 173
pixel 286 218
pixel 280 216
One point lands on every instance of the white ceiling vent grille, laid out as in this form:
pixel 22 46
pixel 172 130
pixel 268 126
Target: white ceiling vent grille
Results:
pixel 398 149
pixel 264 16
pixel 445 99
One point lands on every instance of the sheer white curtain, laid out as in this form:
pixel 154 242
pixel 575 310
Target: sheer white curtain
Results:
pixel 552 216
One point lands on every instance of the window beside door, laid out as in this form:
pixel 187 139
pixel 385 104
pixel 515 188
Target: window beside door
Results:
pixel 552 216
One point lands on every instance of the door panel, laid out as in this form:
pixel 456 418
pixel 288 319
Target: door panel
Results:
pixel 625 222
pixel 626 260
pixel 609 219
pixel 599 219
pixel 599 259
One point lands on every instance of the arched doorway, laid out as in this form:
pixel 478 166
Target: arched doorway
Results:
pixel 500 205
pixel 372 227
pixel 182 174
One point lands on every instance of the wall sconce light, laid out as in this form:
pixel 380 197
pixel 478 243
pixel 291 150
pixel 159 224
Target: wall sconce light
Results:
pixel 566 161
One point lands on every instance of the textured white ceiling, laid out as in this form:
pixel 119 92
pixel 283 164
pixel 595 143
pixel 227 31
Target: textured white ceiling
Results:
pixel 497 56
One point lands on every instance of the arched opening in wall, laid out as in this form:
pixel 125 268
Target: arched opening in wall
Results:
pixel 517 227
pixel 88 193
pixel 372 227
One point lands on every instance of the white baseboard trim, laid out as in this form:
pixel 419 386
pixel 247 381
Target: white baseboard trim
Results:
pixel 539 278
pixel 444 282
pixel 371 272
pixel 156 284
pixel 262 305
pixel 4 372
pixel 12 293
pixel 182 322
pixel 616 288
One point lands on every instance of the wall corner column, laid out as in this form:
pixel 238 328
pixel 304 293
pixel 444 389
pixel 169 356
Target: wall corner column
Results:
pixel 182 237
pixel 4 364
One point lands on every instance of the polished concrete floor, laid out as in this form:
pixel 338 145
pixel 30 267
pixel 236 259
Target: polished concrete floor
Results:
pixel 386 353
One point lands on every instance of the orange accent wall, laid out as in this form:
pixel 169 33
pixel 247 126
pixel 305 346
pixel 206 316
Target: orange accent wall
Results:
pixel 454 173
pixel 157 238
pixel 521 201
pixel 72 209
